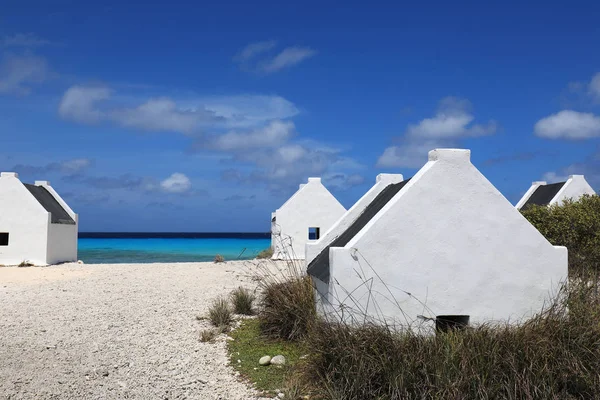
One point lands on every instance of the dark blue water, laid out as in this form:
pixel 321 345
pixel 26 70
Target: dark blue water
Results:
pixel 120 247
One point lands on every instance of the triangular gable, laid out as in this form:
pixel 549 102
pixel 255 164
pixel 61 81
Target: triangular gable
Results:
pixel 58 214
pixel 319 267
pixel 543 194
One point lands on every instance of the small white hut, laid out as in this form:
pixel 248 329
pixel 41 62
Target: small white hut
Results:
pixel 543 194
pixel 309 212
pixel 447 243
pixel 36 224
pixel 382 181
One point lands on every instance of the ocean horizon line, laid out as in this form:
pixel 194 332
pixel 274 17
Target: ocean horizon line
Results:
pixel 174 235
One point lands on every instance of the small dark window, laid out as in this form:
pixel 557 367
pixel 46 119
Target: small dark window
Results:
pixel 446 323
pixel 314 233
pixel 3 238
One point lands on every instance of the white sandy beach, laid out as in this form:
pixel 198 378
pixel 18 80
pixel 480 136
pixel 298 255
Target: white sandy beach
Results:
pixel 116 331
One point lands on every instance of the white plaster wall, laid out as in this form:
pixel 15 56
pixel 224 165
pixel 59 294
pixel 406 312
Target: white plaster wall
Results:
pixel 314 248
pixel 62 243
pixel 62 238
pixel 448 243
pixel 575 187
pixel 25 220
pixel 311 206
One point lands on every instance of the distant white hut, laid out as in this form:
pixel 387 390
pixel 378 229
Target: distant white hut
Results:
pixel 315 248
pixel 310 211
pixel 446 243
pixel 542 194
pixel 36 224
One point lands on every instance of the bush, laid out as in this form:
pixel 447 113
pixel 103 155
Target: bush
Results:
pixel 288 307
pixel 242 301
pixel 219 258
pixel 208 335
pixel 219 313
pixel 266 253
pixel 574 224
pixel 555 355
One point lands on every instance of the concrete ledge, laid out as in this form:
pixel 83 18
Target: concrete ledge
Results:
pixel 460 155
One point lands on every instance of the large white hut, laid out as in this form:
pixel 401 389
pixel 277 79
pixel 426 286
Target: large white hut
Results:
pixel 36 224
pixel 543 194
pixel 310 211
pixel 446 243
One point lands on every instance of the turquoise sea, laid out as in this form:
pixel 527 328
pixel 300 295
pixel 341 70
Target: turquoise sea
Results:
pixel 111 248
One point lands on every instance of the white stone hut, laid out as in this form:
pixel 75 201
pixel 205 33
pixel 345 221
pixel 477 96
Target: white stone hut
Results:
pixel 36 224
pixel 543 194
pixel 446 243
pixel 309 212
pixel 382 181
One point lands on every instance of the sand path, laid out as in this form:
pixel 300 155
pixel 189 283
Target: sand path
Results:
pixel 125 331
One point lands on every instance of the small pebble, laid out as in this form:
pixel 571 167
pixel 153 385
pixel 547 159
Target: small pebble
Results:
pixel 266 360
pixel 278 360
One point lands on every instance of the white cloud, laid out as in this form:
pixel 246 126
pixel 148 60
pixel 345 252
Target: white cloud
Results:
pixel 291 153
pixel 68 167
pixel 176 183
pixel 23 40
pixel 272 135
pixel 254 58
pixel 288 57
pixel 254 49
pixel 75 165
pixel 19 72
pixel 568 124
pixel 343 181
pixel 90 104
pixel 553 177
pixel 159 114
pixel 243 111
pixel 410 155
pixel 79 104
pixel 452 122
pixel 284 167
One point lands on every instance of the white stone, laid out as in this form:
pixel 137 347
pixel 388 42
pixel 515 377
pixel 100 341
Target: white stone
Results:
pixel 278 360
pixel 574 187
pixel 312 206
pixel 265 360
pixel 31 234
pixel 448 243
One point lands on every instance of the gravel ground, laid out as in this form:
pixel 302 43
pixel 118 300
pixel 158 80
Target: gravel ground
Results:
pixel 125 331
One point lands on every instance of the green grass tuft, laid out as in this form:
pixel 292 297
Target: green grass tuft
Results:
pixel 266 253
pixel 243 301
pixel 219 313
pixel 288 307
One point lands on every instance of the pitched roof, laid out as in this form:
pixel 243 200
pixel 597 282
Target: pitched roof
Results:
pixel 543 195
pixel 319 267
pixel 47 200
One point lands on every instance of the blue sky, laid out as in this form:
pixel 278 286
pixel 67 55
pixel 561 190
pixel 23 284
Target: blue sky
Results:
pixel 205 117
